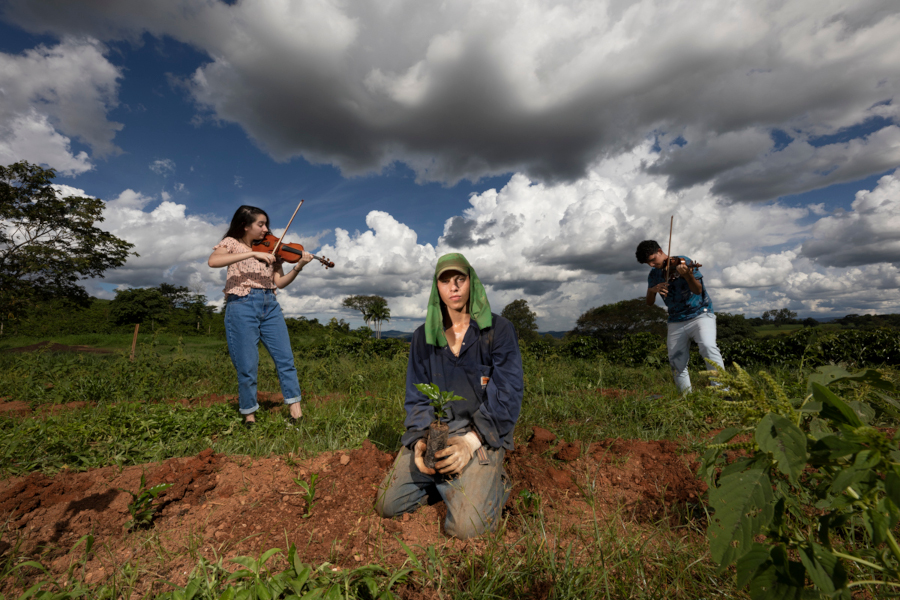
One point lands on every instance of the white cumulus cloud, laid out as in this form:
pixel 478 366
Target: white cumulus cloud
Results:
pixel 52 95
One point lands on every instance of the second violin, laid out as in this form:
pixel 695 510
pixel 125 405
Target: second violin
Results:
pixel 287 252
pixel 672 267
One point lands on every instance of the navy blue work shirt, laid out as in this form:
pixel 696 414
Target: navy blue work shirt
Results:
pixel 487 374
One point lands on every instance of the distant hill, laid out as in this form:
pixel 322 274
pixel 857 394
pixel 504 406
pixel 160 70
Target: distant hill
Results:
pixel 393 333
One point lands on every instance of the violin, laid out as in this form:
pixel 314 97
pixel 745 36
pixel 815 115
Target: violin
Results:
pixel 672 267
pixel 287 252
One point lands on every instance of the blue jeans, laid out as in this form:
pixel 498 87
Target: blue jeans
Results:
pixel 701 329
pixel 249 319
pixel 474 499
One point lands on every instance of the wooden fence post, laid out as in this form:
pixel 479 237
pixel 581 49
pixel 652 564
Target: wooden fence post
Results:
pixel 134 341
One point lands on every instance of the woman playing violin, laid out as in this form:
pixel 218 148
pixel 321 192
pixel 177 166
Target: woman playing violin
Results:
pixel 252 312
pixel 690 308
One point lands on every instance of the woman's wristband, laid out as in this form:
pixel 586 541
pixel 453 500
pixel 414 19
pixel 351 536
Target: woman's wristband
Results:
pixel 296 270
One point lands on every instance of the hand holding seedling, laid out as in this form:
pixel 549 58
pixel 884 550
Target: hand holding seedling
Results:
pixel 436 439
pixel 419 458
pixel 455 456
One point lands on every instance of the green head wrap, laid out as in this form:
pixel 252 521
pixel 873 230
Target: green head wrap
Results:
pixel 479 307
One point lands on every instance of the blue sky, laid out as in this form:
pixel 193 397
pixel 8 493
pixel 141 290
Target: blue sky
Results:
pixel 542 140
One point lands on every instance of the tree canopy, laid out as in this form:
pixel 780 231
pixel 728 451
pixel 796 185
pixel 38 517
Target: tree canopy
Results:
pixel 523 319
pixel 374 309
pixel 615 321
pixel 48 243
pixel 781 316
pixel 730 328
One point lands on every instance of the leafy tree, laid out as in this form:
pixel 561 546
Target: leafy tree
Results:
pixel 781 316
pixel 379 312
pixel 615 321
pixel 731 328
pixel 178 296
pixel 373 309
pixel 854 321
pixel 48 242
pixel 139 305
pixel 523 319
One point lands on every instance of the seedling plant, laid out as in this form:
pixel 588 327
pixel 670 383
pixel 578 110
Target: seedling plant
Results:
pixel 438 430
pixel 141 506
pixel 309 490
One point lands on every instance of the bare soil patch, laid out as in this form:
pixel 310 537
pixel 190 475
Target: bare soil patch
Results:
pixel 226 506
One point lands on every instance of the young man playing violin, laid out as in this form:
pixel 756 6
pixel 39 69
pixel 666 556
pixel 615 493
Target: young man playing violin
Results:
pixel 690 308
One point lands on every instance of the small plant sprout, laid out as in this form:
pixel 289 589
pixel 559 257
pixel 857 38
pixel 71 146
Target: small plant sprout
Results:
pixel 310 492
pixel 141 506
pixel 439 399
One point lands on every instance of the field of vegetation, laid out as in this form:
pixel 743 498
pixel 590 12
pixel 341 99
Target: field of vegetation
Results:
pixel 135 478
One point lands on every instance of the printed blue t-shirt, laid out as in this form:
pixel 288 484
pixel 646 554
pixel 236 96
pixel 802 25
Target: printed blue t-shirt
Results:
pixel 682 303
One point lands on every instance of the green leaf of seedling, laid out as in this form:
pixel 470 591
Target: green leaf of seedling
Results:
pixel 228 594
pixel 833 408
pixel 743 506
pixel 369 586
pixel 749 563
pixel 267 555
pixel 782 579
pixel 785 441
pixel 876 525
pixel 431 390
pixel 828 375
pixel 726 435
pixel 262 592
pixel 865 412
pixel 823 568
pixel 832 447
pixel 892 487
pixel 859 470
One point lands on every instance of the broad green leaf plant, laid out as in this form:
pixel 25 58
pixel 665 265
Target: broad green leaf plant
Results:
pixel 439 399
pixel 808 506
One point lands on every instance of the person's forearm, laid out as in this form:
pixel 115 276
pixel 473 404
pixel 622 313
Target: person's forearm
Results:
pixel 651 298
pixel 217 261
pixel 693 283
pixel 284 280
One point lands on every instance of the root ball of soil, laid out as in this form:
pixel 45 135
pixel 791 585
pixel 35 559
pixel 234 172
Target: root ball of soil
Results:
pixel 435 441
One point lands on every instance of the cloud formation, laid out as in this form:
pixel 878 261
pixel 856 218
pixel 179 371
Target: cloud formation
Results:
pixel 469 89
pixel 52 95
pixel 564 247
pixel 871 228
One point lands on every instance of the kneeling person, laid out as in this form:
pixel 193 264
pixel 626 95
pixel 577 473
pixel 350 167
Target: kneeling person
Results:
pixel 467 350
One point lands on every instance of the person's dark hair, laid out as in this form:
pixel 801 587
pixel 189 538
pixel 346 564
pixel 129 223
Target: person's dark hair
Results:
pixel 244 216
pixel 645 250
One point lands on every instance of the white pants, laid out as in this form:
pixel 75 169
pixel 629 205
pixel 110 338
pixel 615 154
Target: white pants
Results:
pixel 702 330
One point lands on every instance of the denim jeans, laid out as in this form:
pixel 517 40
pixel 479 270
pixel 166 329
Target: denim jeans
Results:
pixel 701 329
pixel 249 319
pixel 474 498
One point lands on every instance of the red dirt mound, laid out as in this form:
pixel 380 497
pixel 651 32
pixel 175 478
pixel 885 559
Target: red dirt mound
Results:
pixel 220 507
pixel 540 440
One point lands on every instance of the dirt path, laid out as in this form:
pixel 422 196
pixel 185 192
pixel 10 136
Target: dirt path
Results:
pixel 226 506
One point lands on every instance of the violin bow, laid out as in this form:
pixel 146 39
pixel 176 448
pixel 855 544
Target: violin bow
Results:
pixel 275 250
pixel 669 251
